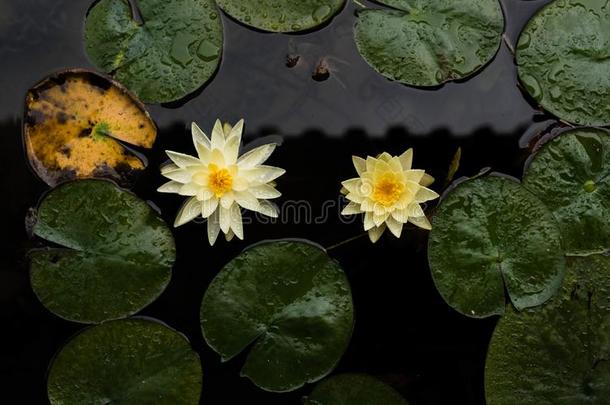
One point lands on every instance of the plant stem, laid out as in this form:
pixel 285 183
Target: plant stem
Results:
pixel 345 242
pixel 136 15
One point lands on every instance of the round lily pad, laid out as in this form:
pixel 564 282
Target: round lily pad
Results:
pixel 172 52
pixel 282 15
pixel 571 175
pixel 430 42
pixel 290 304
pixel 563 56
pixel 558 353
pixel 76 123
pixel 112 254
pixel 129 361
pixel 493 241
pixel 354 389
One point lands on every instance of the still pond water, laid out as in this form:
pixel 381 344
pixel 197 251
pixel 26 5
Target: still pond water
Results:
pixel 404 333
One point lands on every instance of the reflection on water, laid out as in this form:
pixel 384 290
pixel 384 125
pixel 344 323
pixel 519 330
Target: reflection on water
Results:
pixel 404 332
pixel 253 81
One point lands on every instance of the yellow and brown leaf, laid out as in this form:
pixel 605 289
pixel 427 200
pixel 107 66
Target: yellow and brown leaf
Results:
pixel 76 124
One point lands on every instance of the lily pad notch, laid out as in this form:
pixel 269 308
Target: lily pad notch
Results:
pixel 80 124
pixel 559 352
pixel 492 241
pixel 110 256
pixel 172 52
pixel 289 305
pixel 571 175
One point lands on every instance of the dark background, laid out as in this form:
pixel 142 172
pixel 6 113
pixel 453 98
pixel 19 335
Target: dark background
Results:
pixel 404 334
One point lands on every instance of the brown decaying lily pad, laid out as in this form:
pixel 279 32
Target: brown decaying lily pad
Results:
pixel 76 122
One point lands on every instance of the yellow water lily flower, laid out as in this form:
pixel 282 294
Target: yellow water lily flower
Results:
pixel 389 193
pixel 220 183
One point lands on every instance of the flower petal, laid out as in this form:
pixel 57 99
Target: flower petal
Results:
pixel 199 137
pixel 208 207
pixel 366 205
pixel 231 150
pixel 415 211
pixel 267 208
pixel 380 219
pixel 218 136
pixel 180 175
pixel 229 235
pixel 190 190
pixel 189 211
pixel 240 183
pixel 353 185
pixel 246 200
pixel 217 158
pixel 170 187
pixel 375 233
pixel 213 227
pixel 237 227
pixel 265 191
pixel 227 199
pixel 414 175
pixel 351 209
pixel 237 130
pixel 170 167
pixel 385 157
pixel 256 156
pixel 182 160
pixel 262 174
pixel 378 209
pixel 204 194
pixel 421 222
pixel 359 164
pixel 225 219
pixel 394 226
pixel 226 129
pixel 395 164
pixel 425 194
pixel 406 159
pixel 371 163
pixel 426 180
pixel 355 198
pixel 368 221
pixel 382 167
pixel 401 215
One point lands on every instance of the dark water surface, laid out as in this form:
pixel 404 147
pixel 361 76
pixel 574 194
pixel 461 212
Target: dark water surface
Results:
pixel 405 334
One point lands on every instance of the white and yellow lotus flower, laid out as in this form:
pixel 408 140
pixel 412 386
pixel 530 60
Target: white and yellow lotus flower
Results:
pixel 220 183
pixel 389 193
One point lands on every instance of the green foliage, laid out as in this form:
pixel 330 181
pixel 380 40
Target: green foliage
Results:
pixel 290 304
pixel 113 257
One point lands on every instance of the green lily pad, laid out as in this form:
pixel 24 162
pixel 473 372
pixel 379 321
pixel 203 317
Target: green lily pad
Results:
pixel 171 54
pixel 571 175
pixel 493 241
pixel 282 15
pixel 354 389
pixel 129 361
pixel 563 56
pixel 430 42
pixel 113 257
pixel 287 300
pixel 558 353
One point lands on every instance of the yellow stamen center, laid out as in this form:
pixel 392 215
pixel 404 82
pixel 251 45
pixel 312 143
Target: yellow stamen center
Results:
pixel 220 181
pixel 387 190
